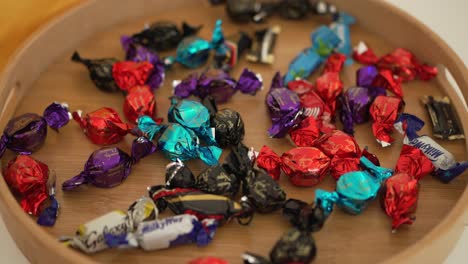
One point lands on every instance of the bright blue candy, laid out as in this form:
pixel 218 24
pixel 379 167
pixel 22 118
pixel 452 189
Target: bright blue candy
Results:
pixel 193 52
pixel 303 65
pixel 345 18
pixel 49 214
pixel 343 32
pixel 192 115
pixel 147 125
pixel 324 41
pixel 177 142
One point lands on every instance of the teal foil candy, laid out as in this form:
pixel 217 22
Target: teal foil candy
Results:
pixel 193 52
pixel 177 142
pixel 194 116
pixel 217 40
pixel 354 190
pixel 147 125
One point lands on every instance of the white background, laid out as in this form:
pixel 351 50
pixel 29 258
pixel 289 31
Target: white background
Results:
pixel 447 18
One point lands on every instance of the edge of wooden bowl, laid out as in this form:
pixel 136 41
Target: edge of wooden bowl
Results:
pixel 40 247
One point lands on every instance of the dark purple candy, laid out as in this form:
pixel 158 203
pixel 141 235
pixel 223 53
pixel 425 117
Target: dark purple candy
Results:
pixel 57 115
pixel 285 111
pixel 249 82
pixel 218 84
pixel 141 148
pixel 277 81
pixel 187 86
pixel 365 76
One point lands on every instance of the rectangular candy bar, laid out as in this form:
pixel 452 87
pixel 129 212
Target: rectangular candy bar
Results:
pixel 444 119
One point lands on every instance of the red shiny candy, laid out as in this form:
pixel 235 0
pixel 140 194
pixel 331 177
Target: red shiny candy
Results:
pixel 28 177
pixel 329 87
pixel 399 198
pixel 103 126
pixel 334 63
pixel 384 111
pixel 268 160
pixel 305 166
pixel 208 260
pixel 340 166
pixel 305 133
pixel 385 80
pixel 139 101
pixel 414 162
pixel 426 72
pixel 314 106
pixel 364 54
pixel 370 156
pixel 300 86
pixel 128 74
pixel 338 143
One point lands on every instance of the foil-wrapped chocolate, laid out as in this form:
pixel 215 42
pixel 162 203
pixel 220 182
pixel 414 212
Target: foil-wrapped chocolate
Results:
pixel 200 204
pixel 304 166
pixel 110 166
pixel 35 184
pixel 384 112
pixel 165 233
pixel 262 50
pixel 128 74
pixel 26 133
pixel 354 190
pixel 90 237
pixel 103 126
pixel 305 133
pixel 138 102
pixel 100 71
pixel 445 124
pixel 304 216
pixel 208 260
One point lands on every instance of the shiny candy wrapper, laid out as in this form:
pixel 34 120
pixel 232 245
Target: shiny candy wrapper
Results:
pixel 200 204
pixel 194 116
pixel 179 176
pixel 304 216
pixel 208 260
pixel 90 237
pixel 354 190
pixel 341 27
pixel 329 87
pixel 303 65
pixel 324 41
pixel 385 79
pixel 32 180
pixel 100 71
pixel 178 142
pixel 334 63
pixel 264 45
pixel 110 166
pixel 103 126
pixel 237 45
pixel 138 53
pixel 229 127
pixel 128 74
pixel 446 166
pixel 162 35
pixel 384 112
pixel 364 55
pixel 26 133
pixel 400 192
pixel 261 189
pixel 165 233
pixel 305 166
pixel 149 128
pixel 445 124
pixel 139 101
pixel 285 111
pixel 305 133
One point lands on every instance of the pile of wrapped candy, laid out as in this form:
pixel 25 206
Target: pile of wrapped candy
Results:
pixel 246 181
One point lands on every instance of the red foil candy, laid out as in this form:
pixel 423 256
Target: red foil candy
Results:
pixel 386 80
pixel 28 177
pixel 384 111
pixel 364 55
pixel 340 166
pixel 139 101
pixel 103 126
pixel 414 162
pixel 334 63
pixel 329 87
pixel 268 160
pixel 128 74
pixel 300 86
pixel 208 260
pixel 305 133
pixel 305 166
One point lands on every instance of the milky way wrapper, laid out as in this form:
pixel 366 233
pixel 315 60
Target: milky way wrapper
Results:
pixel 445 123
pixel 263 45
pixel 354 190
pixel 90 238
pixel 165 233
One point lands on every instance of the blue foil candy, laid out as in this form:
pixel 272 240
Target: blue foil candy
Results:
pixel 303 65
pixel 354 190
pixel 324 41
pixel 192 115
pixel 147 125
pixel 341 28
pixel 178 142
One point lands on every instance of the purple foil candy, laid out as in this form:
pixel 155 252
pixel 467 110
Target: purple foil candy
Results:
pixel 57 115
pixel 277 81
pixel 141 148
pixel 285 111
pixel 187 86
pixel 106 167
pixel 129 46
pixel 218 84
pixel 249 82
pixel 24 134
pixel 366 75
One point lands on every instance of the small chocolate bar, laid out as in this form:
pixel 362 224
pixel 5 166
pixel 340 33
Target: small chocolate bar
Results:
pixel 262 48
pixel 444 120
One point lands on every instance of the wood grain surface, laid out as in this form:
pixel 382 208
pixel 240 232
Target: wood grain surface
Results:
pixel 345 238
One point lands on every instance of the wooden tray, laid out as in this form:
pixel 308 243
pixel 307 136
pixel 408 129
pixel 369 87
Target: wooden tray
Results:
pixel 41 72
